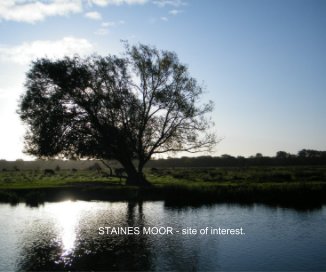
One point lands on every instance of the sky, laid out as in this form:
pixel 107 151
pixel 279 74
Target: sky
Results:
pixel 262 62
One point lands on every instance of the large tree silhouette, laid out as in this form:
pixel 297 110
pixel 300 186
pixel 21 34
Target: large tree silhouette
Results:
pixel 125 108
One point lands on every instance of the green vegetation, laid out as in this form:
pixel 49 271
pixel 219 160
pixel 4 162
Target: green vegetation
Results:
pixel 31 179
pixel 276 185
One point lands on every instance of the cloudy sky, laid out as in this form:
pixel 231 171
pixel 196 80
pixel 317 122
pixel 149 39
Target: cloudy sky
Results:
pixel 262 62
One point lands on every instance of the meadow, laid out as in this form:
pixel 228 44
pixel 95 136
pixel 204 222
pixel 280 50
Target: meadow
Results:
pixel 284 185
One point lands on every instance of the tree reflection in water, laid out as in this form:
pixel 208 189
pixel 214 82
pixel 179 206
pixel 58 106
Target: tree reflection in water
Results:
pixel 70 241
pixel 64 236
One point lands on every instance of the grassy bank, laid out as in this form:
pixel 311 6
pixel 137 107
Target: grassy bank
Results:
pixel 291 186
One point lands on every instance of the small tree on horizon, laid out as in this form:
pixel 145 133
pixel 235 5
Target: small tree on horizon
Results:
pixel 125 108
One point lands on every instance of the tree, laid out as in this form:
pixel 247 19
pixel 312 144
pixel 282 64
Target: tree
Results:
pixel 282 155
pixel 125 108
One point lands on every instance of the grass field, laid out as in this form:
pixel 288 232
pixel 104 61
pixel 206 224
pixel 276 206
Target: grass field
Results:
pixel 279 185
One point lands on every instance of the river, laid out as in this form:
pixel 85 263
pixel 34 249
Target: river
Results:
pixel 66 236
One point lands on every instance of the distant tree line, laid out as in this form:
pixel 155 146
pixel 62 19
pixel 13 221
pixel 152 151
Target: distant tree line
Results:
pixel 56 165
pixel 282 158
pixel 303 157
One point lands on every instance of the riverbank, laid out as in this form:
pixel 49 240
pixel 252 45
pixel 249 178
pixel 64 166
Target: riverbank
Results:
pixel 289 195
pixel 187 186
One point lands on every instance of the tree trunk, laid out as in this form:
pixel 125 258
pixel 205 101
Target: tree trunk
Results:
pixel 135 177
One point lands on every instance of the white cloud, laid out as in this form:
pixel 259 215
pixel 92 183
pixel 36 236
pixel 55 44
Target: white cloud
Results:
pixel 108 24
pixel 93 15
pixel 24 53
pixel 32 11
pixel 174 3
pixel 104 29
pixel 37 10
pixel 113 23
pixel 164 19
pixel 117 2
pixel 175 12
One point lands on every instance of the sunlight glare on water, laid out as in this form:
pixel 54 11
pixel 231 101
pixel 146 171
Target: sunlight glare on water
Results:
pixel 66 215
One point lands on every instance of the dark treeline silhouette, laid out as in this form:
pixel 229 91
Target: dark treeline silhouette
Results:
pixel 282 158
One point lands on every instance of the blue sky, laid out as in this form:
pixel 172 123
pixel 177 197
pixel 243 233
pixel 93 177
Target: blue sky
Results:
pixel 262 62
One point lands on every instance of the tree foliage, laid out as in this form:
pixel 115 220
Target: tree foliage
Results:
pixel 127 108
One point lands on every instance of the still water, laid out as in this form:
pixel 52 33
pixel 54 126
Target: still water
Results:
pixel 65 236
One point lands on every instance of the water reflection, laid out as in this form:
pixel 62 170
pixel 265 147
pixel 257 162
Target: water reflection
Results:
pixel 39 248
pixel 64 236
pixel 70 239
